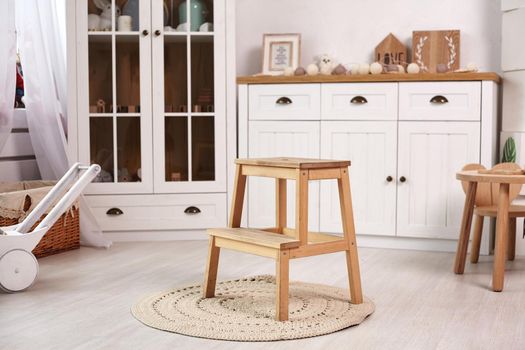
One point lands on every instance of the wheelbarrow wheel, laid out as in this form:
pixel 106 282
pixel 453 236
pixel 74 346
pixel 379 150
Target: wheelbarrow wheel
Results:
pixel 18 270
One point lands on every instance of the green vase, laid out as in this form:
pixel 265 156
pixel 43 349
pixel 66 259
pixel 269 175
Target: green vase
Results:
pixel 198 12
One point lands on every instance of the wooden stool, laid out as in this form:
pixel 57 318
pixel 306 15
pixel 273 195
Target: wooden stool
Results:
pixel 281 242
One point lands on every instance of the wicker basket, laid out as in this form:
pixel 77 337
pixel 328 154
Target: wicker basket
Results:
pixel 64 235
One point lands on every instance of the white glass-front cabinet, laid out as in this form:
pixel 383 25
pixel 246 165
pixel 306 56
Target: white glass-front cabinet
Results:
pixel 151 99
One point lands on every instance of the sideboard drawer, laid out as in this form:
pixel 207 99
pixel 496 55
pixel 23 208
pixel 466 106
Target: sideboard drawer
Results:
pixel 159 212
pixel 359 101
pixel 459 101
pixel 284 101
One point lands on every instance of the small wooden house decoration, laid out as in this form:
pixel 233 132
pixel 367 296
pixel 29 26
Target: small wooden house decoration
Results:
pixel 391 51
pixel 436 51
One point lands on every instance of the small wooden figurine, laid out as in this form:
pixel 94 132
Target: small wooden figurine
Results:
pixel 391 51
pixel 436 48
pixel 101 106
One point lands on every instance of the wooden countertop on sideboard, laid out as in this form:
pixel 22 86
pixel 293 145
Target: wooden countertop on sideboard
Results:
pixel 268 79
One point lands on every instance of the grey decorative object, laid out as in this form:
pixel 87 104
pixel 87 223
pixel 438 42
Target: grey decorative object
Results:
pixel 132 9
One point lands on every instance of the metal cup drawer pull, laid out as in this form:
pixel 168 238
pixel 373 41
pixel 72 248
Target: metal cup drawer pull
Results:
pixel 114 212
pixel 358 100
pixel 283 101
pixel 439 100
pixel 192 210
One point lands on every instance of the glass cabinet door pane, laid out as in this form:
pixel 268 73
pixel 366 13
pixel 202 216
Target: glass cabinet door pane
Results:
pixel 128 149
pixel 202 148
pixel 101 146
pixel 100 13
pixel 127 73
pixel 202 57
pixel 130 18
pixel 176 148
pixel 175 74
pixel 176 16
pixel 100 74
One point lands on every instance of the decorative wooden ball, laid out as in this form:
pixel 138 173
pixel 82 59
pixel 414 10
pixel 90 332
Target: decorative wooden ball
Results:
pixel 354 68
pixel 288 71
pixel 376 68
pixel 364 68
pixel 339 70
pixel 312 69
pixel 300 71
pixel 400 68
pixel 413 68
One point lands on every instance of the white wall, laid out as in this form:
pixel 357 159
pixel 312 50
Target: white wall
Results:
pixel 350 29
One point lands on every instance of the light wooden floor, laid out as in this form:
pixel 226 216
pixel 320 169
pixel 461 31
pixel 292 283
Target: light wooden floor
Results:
pixel 82 300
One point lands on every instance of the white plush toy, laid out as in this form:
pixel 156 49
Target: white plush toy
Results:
pixel 326 64
pixel 102 21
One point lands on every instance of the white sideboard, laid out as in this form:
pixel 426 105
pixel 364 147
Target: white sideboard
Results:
pixel 405 139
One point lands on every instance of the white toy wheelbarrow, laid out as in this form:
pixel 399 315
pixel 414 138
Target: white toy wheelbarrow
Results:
pixel 18 266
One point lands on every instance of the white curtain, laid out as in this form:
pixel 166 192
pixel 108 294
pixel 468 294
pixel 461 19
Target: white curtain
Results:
pixel 42 51
pixel 7 68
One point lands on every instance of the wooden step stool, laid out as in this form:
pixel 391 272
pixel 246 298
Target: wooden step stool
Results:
pixel 281 242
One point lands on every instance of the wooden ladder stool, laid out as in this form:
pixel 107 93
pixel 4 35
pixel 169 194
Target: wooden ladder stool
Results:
pixel 282 243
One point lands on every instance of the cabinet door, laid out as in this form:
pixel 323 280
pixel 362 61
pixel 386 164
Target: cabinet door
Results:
pixel 372 149
pixel 114 103
pixel 430 200
pixel 276 139
pixel 189 131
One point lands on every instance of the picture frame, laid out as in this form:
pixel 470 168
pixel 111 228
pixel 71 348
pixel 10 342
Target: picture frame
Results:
pixel 279 52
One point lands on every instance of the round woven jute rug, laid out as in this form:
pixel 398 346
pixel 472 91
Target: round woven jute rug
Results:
pixel 244 310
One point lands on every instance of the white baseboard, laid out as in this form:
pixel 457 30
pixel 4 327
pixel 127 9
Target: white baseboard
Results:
pixel 140 236
pixel 368 241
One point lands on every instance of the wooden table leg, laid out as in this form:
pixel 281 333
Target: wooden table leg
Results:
pixel 282 282
pixel 464 234
pixel 511 246
pixel 502 232
pixel 476 240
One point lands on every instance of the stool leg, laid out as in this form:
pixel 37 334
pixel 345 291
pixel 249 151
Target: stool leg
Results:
pixel 280 204
pixel 301 206
pixel 239 187
pixel 511 243
pixel 476 240
pixel 282 280
pixel 210 279
pixel 347 216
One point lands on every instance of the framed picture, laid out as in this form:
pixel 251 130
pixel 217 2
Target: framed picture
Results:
pixel 279 52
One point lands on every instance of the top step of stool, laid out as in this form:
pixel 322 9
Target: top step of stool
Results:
pixel 295 163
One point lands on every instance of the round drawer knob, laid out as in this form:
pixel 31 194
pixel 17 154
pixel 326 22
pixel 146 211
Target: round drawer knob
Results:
pixel 389 178
pixel 403 179
pixel 145 32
